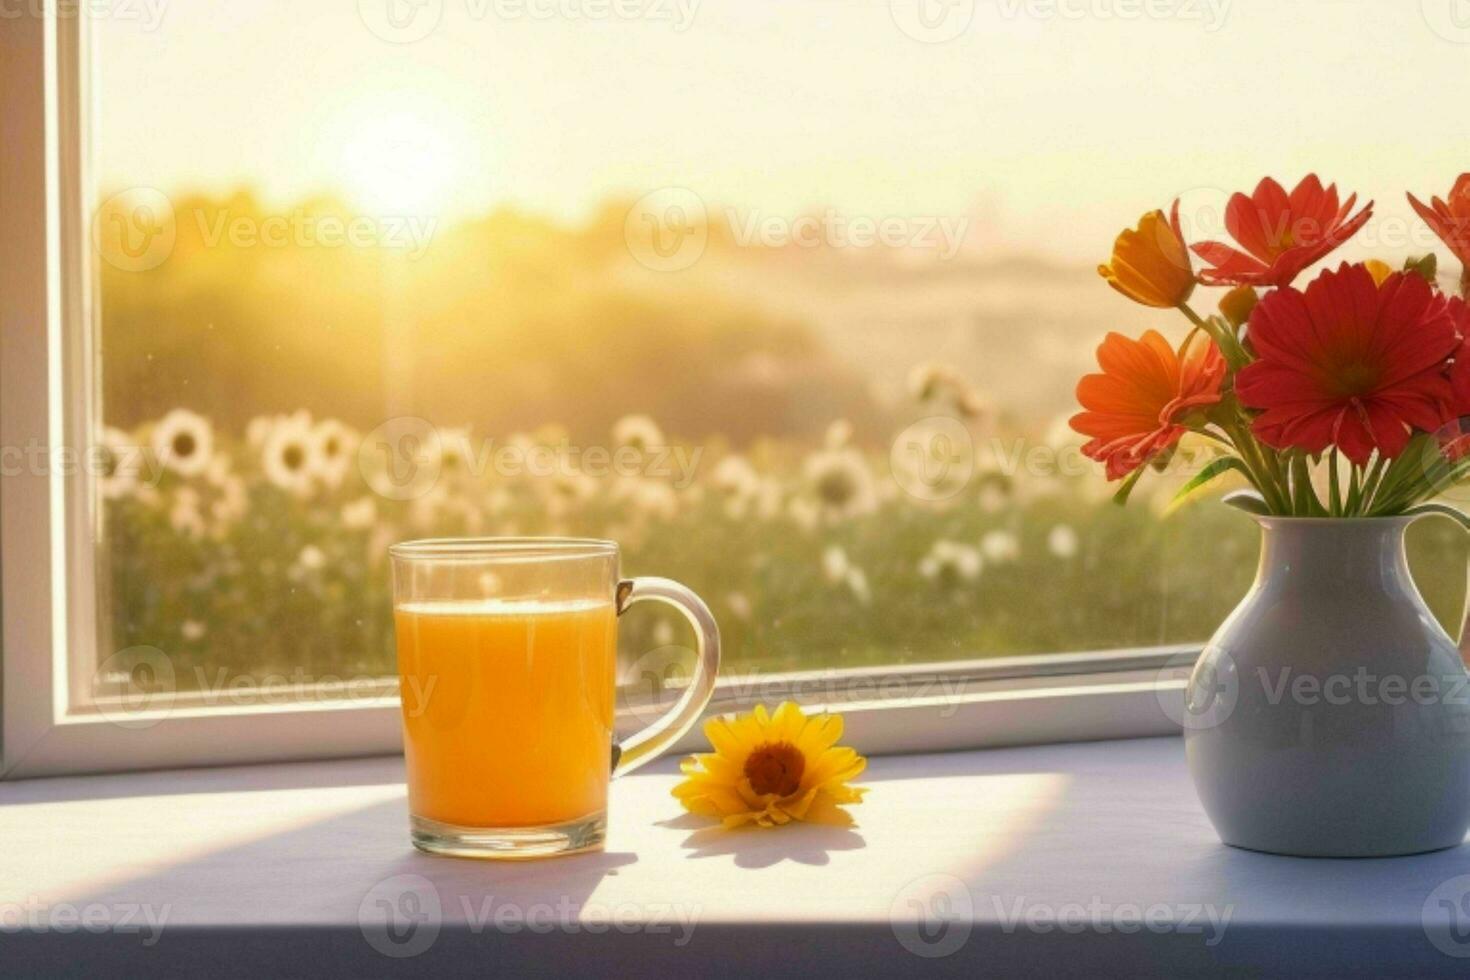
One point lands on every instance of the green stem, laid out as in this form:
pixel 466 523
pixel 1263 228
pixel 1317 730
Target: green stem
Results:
pixel 1305 499
pixel 1228 343
pixel 1334 490
pixel 1261 474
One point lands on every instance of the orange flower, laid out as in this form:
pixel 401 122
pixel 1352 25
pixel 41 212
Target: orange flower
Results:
pixel 1450 219
pixel 1150 264
pixel 1133 409
pixel 1279 235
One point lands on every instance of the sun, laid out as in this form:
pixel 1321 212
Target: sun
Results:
pixel 399 162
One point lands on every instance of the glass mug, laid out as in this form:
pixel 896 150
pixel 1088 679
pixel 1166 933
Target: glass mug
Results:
pixel 507 662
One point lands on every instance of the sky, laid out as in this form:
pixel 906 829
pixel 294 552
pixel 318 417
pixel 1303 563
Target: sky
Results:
pixel 1051 122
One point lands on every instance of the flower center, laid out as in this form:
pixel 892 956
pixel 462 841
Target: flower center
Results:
pixel 836 487
pixel 1356 378
pixel 183 445
pixel 775 767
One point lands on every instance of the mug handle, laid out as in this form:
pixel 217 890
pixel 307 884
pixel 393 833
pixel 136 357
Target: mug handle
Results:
pixel 647 744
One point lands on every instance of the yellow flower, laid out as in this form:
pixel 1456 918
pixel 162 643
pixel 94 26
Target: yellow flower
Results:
pixel 1150 264
pixel 1379 270
pixel 772 769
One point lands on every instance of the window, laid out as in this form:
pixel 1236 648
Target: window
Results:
pixel 788 300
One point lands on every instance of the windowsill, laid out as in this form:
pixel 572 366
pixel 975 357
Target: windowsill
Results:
pixel 264 869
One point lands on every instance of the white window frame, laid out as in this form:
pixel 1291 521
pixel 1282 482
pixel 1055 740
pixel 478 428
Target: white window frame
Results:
pixel 47 564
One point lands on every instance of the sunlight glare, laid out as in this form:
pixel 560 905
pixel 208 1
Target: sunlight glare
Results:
pixel 399 163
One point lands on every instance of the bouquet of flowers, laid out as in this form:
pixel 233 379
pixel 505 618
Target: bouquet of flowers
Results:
pixel 1346 398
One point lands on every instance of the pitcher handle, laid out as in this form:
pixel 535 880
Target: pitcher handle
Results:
pixel 1462 636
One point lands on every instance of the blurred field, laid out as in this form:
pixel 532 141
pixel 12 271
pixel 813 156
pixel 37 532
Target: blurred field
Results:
pixel 262 549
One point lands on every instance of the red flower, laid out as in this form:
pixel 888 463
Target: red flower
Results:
pixel 1450 219
pixel 1133 408
pixel 1280 235
pixel 1348 363
pixel 1454 436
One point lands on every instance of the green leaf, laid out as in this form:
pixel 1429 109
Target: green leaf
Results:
pixel 1247 500
pixel 1215 467
pixel 1442 510
pixel 1426 265
pixel 1121 497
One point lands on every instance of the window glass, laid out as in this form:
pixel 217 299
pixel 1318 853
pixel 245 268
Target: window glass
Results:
pixel 788 299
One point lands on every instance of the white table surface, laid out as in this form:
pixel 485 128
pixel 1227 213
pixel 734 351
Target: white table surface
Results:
pixel 972 855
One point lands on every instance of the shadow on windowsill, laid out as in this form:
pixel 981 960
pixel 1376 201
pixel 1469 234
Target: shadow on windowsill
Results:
pixel 762 847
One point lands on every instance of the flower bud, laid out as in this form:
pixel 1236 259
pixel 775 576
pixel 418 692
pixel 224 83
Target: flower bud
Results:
pixel 1237 304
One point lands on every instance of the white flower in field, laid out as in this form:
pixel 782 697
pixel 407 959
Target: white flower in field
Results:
pixel 192 630
pixel 646 498
pixel 835 564
pixel 311 558
pixel 838 434
pixel 456 454
pixel 734 475
pixel 768 499
pixel 930 381
pixel 565 491
pixel 1000 546
pixel 286 456
pixel 1062 541
pixel 974 405
pixel 333 449
pixel 120 462
pixel 184 515
pixel 951 561
pixel 739 605
pixel 805 513
pixel 654 499
pixel 361 513
pixel 257 429
pixel 148 495
pixel 841 483
pixel 742 487
pixel 638 432
pixel 940 383
pixel 839 570
pixel 230 503
pixel 183 441
pixel 995 491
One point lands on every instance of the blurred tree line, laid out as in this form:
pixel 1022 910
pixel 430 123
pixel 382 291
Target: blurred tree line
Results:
pixel 505 322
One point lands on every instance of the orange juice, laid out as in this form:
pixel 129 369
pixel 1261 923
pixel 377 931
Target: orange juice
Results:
pixel 507 708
